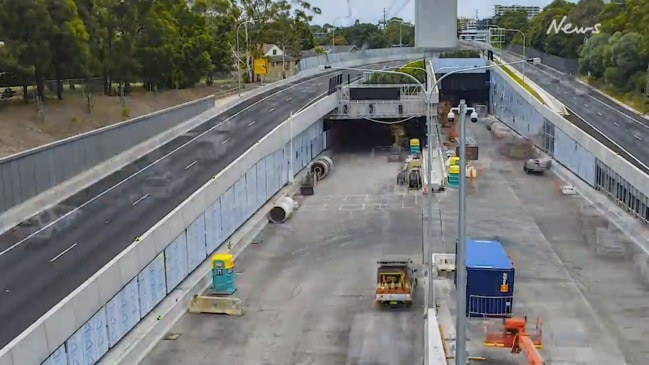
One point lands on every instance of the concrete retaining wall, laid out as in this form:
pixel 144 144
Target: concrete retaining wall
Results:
pixel 82 327
pixel 26 179
pixel 27 174
pixel 569 145
pixel 111 302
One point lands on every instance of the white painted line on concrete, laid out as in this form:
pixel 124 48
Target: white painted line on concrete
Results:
pixel 148 166
pixel 63 253
pixel 191 164
pixel 139 200
pixel 600 114
pixel 271 110
pixel 226 140
pixel 616 124
pixel 574 97
pixel 641 123
pixel 637 137
pixel 289 99
pixel 251 123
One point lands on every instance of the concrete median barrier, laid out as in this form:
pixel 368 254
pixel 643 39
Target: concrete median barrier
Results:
pixel 127 290
pixel 216 305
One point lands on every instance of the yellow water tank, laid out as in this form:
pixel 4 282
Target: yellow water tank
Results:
pixel 225 258
pixel 454 169
pixel 455 160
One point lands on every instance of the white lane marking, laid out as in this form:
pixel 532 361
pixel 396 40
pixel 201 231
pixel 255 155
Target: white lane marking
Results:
pixel 226 140
pixel 574 98
pixel 616 124
pixel 644 124
pixel 139 200
pixel 637 137
pixel 612 141
pixel 251 123
pixel 191 164
pixel 289 99
pixel 151 164
pixel 271 110
pixel 63 253
pixel 600 114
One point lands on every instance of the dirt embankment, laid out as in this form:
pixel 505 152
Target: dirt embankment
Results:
pixel 23 126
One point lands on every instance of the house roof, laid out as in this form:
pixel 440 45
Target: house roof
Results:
pixel 267 47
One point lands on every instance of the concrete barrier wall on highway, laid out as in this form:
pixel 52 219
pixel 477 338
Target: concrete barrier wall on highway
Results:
pixel 347 59
pixel 569 145
pixel 108 305
pixel 82 327
pixel 26 178
pixel 27 174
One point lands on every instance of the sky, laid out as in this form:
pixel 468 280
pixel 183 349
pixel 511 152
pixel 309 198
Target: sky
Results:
pixel 370 11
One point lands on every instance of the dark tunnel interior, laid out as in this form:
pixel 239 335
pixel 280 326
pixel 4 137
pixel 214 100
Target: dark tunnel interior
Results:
pixel 362 135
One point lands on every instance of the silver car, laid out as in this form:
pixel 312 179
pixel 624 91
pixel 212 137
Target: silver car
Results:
pixel 537 166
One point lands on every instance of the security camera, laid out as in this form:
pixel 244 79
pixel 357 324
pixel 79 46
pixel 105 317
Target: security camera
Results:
pixel 474 117
pixel 450 116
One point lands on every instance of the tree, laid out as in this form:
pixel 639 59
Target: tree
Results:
pixel 553 43
pixel 591 56
pixel 397 31
pixel 26 26
pixel 513 20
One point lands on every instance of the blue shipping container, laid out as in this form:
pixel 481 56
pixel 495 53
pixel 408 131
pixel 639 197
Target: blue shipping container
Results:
pixel 490 280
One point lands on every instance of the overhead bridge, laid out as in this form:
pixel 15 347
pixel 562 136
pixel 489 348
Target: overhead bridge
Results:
pixel 380 102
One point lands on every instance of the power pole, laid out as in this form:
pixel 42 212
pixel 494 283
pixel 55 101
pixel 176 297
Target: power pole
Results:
pixel 385 24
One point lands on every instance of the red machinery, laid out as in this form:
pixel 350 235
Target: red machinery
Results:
pixel 514 335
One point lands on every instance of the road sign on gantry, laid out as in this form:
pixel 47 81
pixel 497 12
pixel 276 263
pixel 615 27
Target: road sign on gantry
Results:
pixel 261 66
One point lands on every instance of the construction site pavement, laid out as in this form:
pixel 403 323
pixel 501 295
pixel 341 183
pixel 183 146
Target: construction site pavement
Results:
pixel 590 305
pixel 307 285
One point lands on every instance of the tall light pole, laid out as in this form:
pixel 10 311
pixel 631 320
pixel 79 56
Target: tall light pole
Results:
pixel 460 260
pixel 245 22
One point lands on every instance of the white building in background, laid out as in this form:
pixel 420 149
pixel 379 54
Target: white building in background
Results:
pixel 531 11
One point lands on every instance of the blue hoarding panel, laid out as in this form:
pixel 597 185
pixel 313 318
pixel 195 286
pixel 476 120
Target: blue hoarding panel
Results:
pixel 269 163
pixel 213 231
pixel 251 191
pixel 227 215
pixel 196 243
pixel 239 201
pixel 58 357
pixel 262 195
pixel 176 262
pixel 152 285
pixel 90 342
pixel 122 312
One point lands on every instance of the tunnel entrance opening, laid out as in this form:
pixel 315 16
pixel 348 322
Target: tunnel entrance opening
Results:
pixel 362 135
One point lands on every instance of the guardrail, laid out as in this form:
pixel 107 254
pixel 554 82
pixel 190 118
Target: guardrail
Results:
pixel 92 319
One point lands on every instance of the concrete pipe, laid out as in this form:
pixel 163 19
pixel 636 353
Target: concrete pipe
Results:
pixel 321 167
pixel 282 210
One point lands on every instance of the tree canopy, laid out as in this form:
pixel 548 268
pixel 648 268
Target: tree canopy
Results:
pixel 162 44
pixel 616 51
pixel 367 35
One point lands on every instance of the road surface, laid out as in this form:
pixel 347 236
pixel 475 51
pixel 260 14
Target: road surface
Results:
pixel 626 128
pixel 308 286
pixel 46 258
pixel 588 294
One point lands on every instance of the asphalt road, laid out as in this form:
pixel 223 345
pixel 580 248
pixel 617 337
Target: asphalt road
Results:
pixel 625 128
pixel 308 286
pixel 46 258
